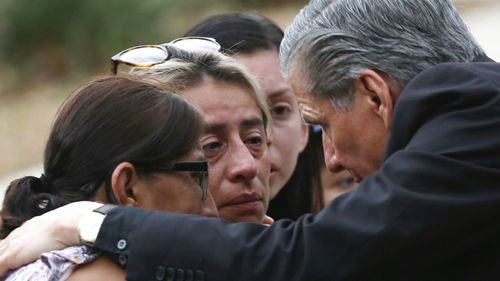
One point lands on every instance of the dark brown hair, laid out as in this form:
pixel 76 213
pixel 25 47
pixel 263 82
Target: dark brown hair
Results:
pixel 106 122
pixel 240 33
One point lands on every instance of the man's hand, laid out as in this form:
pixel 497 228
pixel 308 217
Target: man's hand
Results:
pixel 54 230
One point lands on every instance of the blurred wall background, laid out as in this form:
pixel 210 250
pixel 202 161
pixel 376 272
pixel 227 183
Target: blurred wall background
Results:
pixel 49 47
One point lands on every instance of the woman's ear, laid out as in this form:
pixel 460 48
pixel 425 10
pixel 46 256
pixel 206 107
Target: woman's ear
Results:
pixel 123 183
pixel 378 92
pixel 305 137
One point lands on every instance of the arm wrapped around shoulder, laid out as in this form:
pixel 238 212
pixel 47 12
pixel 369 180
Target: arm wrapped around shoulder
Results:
pixel 26 198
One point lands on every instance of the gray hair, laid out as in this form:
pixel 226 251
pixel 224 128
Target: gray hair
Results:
pixel 332 41
pixel 188 69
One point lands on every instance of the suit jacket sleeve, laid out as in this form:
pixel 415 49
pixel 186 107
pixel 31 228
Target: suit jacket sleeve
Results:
pixel 433 208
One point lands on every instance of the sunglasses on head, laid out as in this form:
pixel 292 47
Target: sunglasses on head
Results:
pixel 150 55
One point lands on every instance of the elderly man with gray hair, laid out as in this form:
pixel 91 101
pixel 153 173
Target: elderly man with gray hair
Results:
pixel 409 104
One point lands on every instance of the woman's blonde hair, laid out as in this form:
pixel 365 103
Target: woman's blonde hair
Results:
pixel 188 69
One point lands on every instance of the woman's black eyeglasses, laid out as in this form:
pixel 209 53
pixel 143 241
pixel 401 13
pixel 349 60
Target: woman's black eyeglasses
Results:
pixel 199 168
pixel 150 55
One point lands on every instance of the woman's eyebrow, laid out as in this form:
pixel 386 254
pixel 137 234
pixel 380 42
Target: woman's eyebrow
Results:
pixel 249 123
pixel 212 127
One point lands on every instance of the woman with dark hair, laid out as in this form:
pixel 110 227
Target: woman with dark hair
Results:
pixel 118 140
pixel 254 40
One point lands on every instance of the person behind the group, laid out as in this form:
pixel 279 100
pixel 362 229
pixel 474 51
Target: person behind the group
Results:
pixel 236 117
pixel 253 40
pixel 333 184
pixel 118 140
pixel 408 102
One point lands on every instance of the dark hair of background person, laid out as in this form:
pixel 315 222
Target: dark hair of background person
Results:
pixel 303 193
pixel 240 33
pixel 247 33
pixel 108 121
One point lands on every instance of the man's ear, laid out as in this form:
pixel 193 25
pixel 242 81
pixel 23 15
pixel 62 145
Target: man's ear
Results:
pixel 378 92
pixel 123 183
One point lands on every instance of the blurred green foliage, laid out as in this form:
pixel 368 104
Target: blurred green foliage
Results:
pixel 47 39
pixel 53 37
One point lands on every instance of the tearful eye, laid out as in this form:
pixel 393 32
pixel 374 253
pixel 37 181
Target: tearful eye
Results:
pixel 255 144
pixel 255 141
pixel 212 145
pixel 210 149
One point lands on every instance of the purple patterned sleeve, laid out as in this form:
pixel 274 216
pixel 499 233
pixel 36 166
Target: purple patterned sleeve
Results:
pixel 55 265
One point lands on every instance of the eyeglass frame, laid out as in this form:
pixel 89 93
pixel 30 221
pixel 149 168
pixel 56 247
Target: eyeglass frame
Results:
pixel 200 167
pixel 115 60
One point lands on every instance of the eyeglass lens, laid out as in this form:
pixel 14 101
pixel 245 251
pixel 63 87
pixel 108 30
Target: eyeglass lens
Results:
pixel 144 55
pixel 203 182
pixel 196 44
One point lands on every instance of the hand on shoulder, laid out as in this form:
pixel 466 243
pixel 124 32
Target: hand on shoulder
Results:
pixel 53 230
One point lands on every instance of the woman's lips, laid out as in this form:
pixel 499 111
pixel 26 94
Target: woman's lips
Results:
pixel 245 202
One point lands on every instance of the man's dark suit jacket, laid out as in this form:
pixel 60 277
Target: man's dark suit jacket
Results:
pixel 432 212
